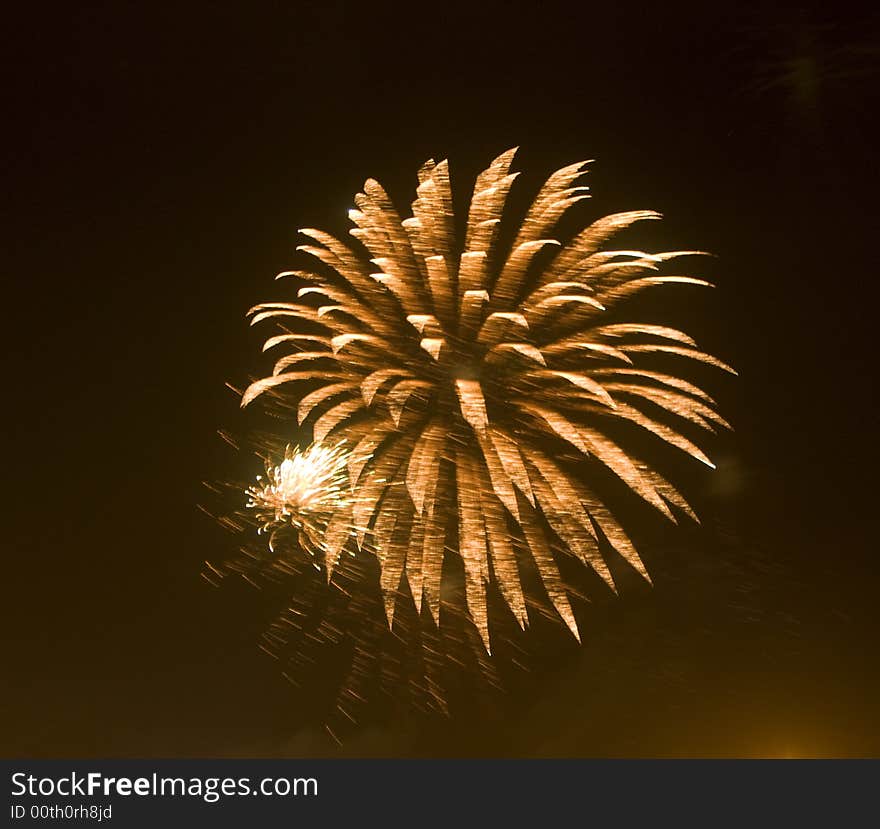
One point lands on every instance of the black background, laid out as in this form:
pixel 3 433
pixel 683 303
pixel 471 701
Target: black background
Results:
pixel 160 157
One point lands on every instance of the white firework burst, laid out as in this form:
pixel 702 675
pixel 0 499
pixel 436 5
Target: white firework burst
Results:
pixel 304 491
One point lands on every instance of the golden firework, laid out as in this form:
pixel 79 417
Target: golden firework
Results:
pixel 463 369
pixel 304 491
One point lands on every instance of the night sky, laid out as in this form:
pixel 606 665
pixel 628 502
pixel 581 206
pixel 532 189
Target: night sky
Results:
pixel 159 159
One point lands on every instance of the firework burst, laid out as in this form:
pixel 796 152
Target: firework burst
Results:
pixel 479 379
pixel 302 492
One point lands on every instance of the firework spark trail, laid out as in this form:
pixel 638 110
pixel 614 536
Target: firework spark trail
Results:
pixel 461 372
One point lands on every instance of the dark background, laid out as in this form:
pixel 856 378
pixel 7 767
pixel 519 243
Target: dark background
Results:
pixel 159 158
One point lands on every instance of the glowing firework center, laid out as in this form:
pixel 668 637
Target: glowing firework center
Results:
pixel 302 491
